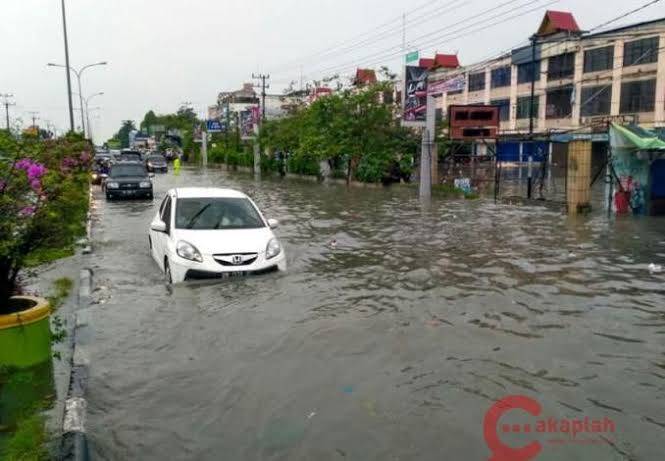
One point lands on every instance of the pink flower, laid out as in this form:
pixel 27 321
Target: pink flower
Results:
pixel 36 171
pixel 27 211
pixel 36 185
pixel 23 164
pixel 84 157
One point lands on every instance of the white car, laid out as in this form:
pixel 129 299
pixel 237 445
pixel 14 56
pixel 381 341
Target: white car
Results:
pixel 200 233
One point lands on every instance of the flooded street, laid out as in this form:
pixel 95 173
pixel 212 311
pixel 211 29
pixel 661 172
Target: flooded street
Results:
pixel 391 344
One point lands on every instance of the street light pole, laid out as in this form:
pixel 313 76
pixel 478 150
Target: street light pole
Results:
pixel 78 73
pixel 87 112
pixel 69 82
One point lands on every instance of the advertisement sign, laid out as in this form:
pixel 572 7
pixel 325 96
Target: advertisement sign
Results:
pixel 415 96
pixel 214 126
pixel 457 83
pixel 247 121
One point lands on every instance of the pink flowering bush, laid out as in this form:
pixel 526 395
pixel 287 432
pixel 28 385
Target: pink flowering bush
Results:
pixel 43 201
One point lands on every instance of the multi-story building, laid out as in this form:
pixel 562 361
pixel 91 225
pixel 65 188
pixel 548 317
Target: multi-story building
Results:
pixel 580 80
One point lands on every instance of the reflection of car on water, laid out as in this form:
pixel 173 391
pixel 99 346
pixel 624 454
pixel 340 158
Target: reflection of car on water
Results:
pixel 128 180
pixel 202 233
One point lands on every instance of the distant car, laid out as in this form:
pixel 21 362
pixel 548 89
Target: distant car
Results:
pixel 128 180
pixel 156 162
pixel 131 156
pixel 202 233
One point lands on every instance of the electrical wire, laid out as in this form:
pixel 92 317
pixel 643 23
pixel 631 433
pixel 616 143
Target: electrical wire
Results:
pixel 386 54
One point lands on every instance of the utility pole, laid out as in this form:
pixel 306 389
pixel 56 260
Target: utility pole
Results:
pixel 6 103
pixel 533 84
pixel 263 86
pixel 531 113
pixel 69 81
pixel 33 115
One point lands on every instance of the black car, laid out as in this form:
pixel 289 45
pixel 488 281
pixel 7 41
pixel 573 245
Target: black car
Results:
pixel 131 156
pixel 156 162
pixel 128 180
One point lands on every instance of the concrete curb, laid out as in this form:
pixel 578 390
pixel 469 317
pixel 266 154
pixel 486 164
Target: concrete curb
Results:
pixel 74 444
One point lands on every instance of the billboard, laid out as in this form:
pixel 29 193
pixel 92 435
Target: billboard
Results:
pixel 214 126
pixel 473 122
pixel 457 83
pixel 415 95
pixel 248 120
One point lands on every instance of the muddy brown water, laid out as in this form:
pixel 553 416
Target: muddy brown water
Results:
pixel 390 346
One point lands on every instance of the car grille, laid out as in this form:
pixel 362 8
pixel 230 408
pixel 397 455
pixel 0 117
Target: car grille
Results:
pixel 130 185
pixel 236 259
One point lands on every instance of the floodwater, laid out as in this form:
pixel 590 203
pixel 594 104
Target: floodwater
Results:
pixel 391 345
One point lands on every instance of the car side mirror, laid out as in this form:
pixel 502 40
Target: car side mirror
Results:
pixel 158 226
pixel 273 223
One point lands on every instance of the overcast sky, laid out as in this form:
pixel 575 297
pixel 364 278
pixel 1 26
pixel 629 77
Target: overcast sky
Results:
pixel 165 52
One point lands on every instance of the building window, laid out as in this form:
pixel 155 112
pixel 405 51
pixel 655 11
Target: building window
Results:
pixel 559 103
pixel 599 59
pixel 638 96
pixel 523 107
pixel 525 72
pixel 501 77
pixel 561 66
pixel 640 51
pixel 477 81
pixel 504 108
pixel 596 100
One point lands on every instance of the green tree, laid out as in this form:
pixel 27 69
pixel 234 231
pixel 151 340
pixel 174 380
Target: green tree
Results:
pixel 123 134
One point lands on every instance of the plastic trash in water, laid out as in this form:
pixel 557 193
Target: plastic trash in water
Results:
pixel 655 268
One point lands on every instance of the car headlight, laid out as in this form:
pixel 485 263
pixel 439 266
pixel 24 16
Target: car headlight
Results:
pixel 188 251
pixel 95 176
pixel 273 248
pixel 150 164
pixel 145 185
pixel 112 185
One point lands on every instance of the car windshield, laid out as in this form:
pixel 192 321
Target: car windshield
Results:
pixel 217 213
pixel 119 171
pixel 156 158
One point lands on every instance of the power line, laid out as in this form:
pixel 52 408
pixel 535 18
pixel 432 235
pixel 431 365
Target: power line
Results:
pixel 400 29
pixel 463 32
pixel 358 37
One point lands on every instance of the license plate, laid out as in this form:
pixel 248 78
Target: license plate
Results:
pixel 234 274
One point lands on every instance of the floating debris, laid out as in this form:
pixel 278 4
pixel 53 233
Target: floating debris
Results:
pixel 655 268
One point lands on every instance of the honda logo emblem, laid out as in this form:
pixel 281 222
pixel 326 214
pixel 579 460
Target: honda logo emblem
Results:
pixel 236 259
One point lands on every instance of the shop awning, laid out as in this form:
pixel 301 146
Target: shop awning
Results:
pixel 634 138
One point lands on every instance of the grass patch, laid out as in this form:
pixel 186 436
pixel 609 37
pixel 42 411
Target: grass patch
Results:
pixel 61 289
pixel 47 255
pixel 28 443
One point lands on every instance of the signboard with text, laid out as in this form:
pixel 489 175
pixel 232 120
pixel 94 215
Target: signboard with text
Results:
pixel 214 126
pixel 457 83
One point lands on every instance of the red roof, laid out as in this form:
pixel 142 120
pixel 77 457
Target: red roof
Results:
pixel 558 21
pixel 365 76
pixel 427 63
pixel 447 61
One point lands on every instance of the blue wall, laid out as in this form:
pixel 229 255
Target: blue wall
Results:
pixel 658 179
pixel 509 151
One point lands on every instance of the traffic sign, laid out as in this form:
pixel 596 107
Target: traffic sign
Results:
pixel 412 56
pixel 214 126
